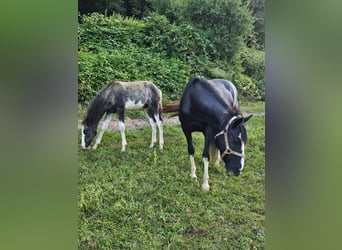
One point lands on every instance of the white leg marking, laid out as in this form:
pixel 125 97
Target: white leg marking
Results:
pixel 242 161
pixel 205 185
pixel 83 138
pixel 154 132
pixel 160 128
pixel 123 136
pixel 104 126
pixel 193 167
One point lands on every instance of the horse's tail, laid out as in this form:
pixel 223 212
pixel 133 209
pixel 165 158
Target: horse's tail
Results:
pixel 171 108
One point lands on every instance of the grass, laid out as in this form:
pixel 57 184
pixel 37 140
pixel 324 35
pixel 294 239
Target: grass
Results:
pixel 145 199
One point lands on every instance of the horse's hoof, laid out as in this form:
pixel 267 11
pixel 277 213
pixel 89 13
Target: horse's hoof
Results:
pixel 94 147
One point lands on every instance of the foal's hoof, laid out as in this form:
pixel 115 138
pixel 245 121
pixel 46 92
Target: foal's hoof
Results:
pixel 205 188
pixel 193 176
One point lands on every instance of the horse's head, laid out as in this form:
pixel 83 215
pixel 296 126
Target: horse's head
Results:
pixel 88 134
pixel 230 141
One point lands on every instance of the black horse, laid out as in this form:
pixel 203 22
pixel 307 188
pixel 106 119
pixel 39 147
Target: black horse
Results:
pixel 115 98
pixel 212 107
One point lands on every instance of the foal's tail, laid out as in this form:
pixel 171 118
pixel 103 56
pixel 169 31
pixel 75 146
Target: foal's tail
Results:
pixel 171 108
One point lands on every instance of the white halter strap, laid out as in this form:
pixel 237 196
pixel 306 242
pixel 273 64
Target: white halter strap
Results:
pixel 228 150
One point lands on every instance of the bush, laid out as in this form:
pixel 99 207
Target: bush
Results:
pixel 118 48
pixel 95 71
pixel 253 63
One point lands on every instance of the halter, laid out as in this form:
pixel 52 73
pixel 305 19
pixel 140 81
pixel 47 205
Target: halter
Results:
pixel 225 134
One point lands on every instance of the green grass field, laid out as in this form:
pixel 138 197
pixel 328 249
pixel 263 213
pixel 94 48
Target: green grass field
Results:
pixel 145 199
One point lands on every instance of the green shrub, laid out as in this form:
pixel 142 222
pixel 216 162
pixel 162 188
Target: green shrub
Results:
pixel 168 54
pixel 95 71
pixel 253 63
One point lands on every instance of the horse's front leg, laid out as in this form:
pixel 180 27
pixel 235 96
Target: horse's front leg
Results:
pixel 104 126
pixel 205 155
pixel 191 151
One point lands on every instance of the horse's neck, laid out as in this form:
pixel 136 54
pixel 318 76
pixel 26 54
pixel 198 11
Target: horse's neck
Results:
pixel 95 112
pixel 222 118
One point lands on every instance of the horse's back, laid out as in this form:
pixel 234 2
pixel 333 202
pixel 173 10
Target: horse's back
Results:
pixel 228 91
pixel 204 93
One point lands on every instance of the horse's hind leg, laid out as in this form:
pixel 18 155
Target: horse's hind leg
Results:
pixel 104 126
pixel 205 155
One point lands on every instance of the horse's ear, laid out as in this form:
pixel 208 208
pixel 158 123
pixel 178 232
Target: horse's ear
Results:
pixel 245 119
pixel 237 122
pixel 241 120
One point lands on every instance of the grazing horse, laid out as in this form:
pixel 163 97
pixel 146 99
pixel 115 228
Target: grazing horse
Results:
pixel 115 98
pixel 212 107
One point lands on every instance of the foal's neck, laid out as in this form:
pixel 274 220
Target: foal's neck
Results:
pixel 95 112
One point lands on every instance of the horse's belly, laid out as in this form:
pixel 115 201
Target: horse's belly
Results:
pixel 133 104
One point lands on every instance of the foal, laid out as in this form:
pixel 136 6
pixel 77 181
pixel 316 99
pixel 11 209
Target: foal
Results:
pixel 115 98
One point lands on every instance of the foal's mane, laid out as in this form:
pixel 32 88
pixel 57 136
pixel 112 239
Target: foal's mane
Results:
pixel 95 110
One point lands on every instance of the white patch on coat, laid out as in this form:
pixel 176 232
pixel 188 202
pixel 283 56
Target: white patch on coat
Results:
pixel 83 138
pixel 131 104
pixel 242 160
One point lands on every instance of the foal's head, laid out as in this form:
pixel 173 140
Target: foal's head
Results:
pixel 231 141
pixel 88 134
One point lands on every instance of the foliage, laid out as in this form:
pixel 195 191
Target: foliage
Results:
pixel 253 64
pixel 129 65
pixel 145 198
pixel 113 48
pixel 257 8
pixel 136 8
pixel 154 49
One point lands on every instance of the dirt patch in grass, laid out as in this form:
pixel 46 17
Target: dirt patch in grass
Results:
pixel 133 124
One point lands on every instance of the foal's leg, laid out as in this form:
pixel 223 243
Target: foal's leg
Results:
pixel 104 126
pixel 154 132
pixel 121 122
pixel 160 128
